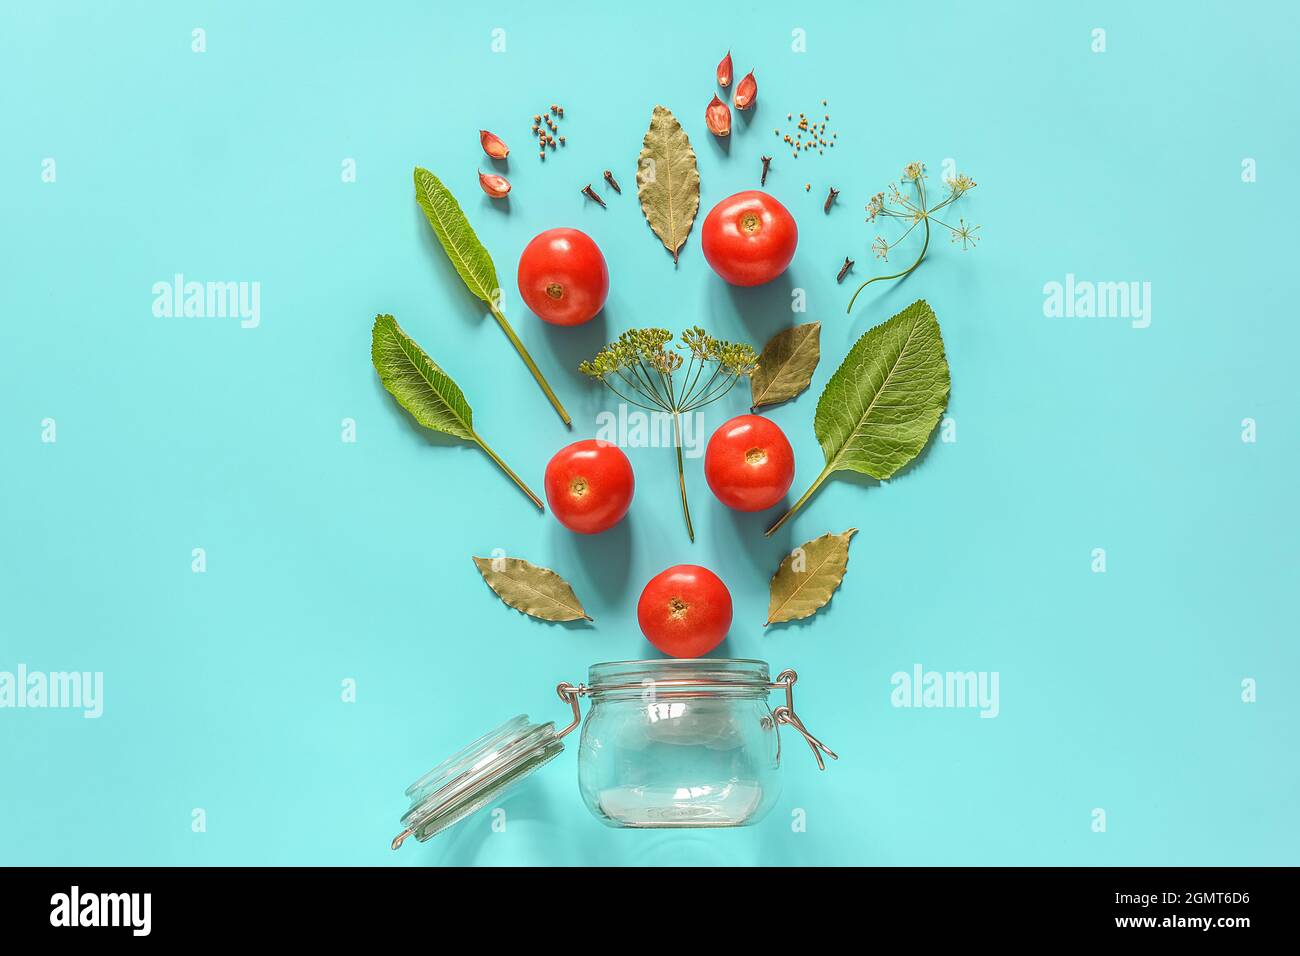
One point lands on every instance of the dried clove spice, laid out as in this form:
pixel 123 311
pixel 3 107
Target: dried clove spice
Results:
pixel 830 198
pixel 609 178
pixel 844 269
pixel 592 194
pixel 767 163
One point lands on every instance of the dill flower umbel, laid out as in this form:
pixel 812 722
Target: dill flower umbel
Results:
pixel 910 205
pixel 641 364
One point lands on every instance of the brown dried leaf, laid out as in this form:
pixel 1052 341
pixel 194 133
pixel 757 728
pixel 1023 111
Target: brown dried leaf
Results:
pixel 536 591
pixel 808 576
pixel 786 366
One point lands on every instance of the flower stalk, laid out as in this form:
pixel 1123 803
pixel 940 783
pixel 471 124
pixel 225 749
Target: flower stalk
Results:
pixel 643 370
pixel 911 206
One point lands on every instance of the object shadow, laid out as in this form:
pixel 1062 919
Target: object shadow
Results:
pixel 500 207
pixel 569 346
pixel 762 310
pixel 742 531
pixel 605 559
pixel 462 843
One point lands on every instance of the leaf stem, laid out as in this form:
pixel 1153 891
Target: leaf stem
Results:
pixel 507 469
pixel 681 474
pixel 897 275
pixel 537 374
pixel 826 473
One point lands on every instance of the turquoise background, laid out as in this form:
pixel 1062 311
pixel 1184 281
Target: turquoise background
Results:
pixel 329 560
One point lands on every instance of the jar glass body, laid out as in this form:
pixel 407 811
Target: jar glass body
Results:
pixel 679 743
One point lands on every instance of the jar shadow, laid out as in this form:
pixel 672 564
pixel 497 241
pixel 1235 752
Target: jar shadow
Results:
pixel 464 844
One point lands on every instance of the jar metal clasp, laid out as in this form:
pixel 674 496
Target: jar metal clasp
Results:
pixel 569 693
pixel 784 714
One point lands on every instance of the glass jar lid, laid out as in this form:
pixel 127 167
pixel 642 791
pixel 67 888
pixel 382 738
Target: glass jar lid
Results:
pixel 476 775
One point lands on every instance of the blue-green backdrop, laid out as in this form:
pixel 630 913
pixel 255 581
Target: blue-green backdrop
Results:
pixel 1167 157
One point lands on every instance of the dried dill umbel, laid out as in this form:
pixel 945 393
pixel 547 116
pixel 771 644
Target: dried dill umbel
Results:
pixel 644 368
pixel 908 202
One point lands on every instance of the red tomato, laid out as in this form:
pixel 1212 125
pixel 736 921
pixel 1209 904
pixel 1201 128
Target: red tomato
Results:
pixel 563 277
pixel 749 463
pixel 685 611
pixel 749 238
pixel 589 485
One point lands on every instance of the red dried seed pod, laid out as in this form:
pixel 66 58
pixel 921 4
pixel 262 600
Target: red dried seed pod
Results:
pixel 746 91
pixel 493 145
pixel 494 185
pixel 724 71
pixel 718 118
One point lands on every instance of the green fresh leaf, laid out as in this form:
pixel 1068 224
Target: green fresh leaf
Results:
pixel 882 403
pixel 809 575
pixel 668 180
pixel 426 391
pixel 416 381
pixel 474 265
pixel 786 366
pixel 879 408
pixel 536 591
pixel 453 230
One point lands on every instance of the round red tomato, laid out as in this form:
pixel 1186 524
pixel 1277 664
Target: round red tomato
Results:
pixel 749 238
pixel 749 463
pixel 589 485
pixel 563 277
pixel 685 611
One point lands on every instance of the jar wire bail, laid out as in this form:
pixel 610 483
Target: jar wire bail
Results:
pixel 785 714
pixel 569 693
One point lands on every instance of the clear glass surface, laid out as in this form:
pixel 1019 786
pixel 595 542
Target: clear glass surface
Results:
pixel 679 743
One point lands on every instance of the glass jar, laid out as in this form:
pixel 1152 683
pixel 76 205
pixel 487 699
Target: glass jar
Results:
pixel 666 743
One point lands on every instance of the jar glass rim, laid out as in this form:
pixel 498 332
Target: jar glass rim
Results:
pixel 701 671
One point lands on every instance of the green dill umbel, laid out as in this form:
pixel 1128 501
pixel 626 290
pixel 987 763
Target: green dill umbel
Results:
pixel 911 207
pixel 642 370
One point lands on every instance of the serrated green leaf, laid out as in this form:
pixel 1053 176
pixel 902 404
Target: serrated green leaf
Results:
pixel 458 239
pixel 879 408
pixel 668 180
pixel 427 392
pixel 809 575
pixel 416 381
pixel 882 403
pixel 536 591
pixel 786 365
pixel 474 265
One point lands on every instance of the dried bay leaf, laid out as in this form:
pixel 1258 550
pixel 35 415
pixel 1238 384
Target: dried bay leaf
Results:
pixel 536 591
pixel 808 576
pixel 786 365
pixel 668 180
